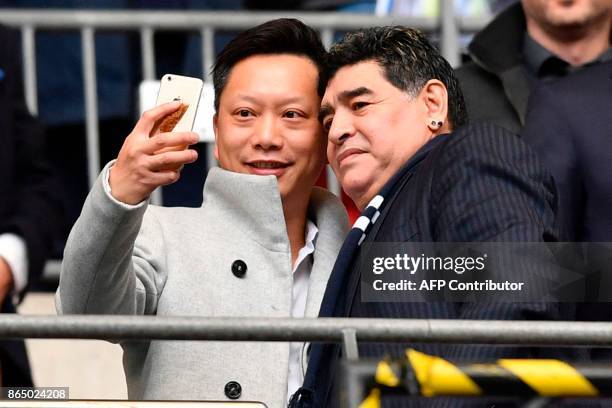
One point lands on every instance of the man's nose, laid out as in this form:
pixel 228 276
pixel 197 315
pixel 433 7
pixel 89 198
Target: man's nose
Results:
pixel 267 135
pixel 341 128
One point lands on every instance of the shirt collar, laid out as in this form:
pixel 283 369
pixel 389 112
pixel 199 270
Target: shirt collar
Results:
pixel 541 62
pixel 310 235
pixel 536 55
pixel 606 56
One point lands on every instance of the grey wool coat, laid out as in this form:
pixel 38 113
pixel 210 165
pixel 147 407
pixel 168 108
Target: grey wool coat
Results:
pixel 178 262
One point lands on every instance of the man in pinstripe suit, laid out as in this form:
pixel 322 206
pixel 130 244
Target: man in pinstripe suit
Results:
pixel 401 147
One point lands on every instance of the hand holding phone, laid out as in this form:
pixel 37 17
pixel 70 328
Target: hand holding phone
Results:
pixel 146 162
pixel 150 158
pixel 187 91
pixel 176 88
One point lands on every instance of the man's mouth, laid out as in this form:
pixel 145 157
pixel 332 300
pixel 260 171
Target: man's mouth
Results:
pixel 348 153
pixel 267 164
pixel 267 167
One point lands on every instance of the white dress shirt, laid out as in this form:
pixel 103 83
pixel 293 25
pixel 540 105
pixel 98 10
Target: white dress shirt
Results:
pixel 14 251
pixel 301 283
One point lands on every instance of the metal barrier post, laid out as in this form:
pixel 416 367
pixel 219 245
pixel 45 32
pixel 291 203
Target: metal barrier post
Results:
pixel 449 33
pixel 208 52
pixel 29 67
pixel 148 53
pixel 147 46
pixel 349 344
pixel 91 104
pixel 327 37
pixel 208 58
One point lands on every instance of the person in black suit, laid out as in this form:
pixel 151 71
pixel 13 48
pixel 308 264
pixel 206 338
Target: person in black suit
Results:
pixel 402 149
pixel 30 211
pixel 568 125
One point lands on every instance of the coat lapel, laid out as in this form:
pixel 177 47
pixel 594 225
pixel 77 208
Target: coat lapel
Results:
pixel 329 216
pixel 319 275
pixel 517 89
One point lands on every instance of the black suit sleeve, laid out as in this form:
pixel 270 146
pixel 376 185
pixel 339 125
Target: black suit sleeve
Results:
pixel 548 132
pixel 31 207
pixel 490 187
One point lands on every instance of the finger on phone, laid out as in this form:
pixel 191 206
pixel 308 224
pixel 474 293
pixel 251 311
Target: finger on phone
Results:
pixel 171 139
pixel 147 120
pixel 172 160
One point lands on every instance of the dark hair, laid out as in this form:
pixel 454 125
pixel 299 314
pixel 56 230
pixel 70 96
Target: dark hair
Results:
pixel 408 61
pixel 280 36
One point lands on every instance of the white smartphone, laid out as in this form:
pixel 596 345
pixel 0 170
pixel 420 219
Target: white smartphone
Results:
pixel 184 89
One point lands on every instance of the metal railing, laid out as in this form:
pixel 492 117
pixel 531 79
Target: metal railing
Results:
pixel 308 329
pixel 357 374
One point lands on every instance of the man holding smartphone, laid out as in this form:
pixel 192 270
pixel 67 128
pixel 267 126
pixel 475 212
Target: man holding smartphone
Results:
pixel 257 247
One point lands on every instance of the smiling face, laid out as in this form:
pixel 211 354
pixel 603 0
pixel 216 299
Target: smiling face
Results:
pixel 373 128
pixel 267 122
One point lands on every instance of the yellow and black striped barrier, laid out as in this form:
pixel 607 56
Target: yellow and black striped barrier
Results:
pixel 430 376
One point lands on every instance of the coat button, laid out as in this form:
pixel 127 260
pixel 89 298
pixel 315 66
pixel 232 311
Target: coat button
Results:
pixel 239 268
pixel 233 390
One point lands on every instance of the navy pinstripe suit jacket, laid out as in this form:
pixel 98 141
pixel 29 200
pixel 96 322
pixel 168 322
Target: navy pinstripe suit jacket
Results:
pixel 480 183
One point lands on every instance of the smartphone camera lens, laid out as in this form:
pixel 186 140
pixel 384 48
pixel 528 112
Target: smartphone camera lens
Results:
pixel 169 78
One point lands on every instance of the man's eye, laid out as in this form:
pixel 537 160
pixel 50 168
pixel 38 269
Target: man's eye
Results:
pixel 327 124
pixel 243 113
pixel 359 105
pixel 292 114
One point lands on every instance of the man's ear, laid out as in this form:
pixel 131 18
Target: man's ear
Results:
pixel 435 97
pixel 216 129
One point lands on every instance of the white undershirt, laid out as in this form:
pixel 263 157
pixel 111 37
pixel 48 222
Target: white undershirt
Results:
pixel 301 283
pixel 13 250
